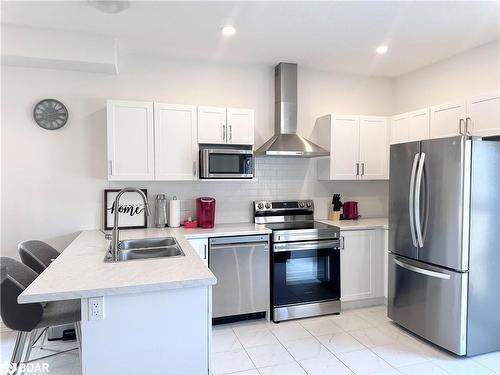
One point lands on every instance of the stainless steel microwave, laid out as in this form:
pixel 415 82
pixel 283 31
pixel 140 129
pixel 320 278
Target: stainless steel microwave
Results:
pixel 221 162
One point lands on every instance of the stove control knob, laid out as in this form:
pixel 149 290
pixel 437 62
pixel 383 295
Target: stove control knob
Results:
pixel 301 204
pixel 268 205
pixel 308 204
pixel 260 206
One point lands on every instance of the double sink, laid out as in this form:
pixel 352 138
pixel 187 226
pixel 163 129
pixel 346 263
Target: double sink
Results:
pixel 145 248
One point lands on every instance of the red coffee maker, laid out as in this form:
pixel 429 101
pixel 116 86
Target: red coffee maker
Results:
pixel 205 212
pixel 350 210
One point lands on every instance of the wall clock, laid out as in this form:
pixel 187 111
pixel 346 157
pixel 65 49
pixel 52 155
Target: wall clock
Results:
pixel 50 114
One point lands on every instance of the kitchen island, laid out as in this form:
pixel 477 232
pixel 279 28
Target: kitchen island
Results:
pixel 156 313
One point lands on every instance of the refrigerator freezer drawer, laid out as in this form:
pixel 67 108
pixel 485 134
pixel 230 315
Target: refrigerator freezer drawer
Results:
pixel 429 301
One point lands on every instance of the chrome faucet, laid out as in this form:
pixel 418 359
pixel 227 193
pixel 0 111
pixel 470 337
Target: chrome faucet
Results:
pixel 115 240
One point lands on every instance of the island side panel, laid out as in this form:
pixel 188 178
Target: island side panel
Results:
pixel 164 332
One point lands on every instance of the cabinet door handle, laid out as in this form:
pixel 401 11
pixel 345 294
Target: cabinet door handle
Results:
pixel 362 169
pixel 194 168
pixel 223 132
pixel 467 120
pixel 230 132
pixel 357 169
pixel 342 243
pixel 460 126
pixel 111 167
pixel 205 251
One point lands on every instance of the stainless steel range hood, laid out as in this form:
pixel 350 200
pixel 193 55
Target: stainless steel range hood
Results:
pixel 286 141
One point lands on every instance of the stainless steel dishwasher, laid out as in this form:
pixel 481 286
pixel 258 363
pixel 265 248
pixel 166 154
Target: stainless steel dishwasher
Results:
pixel 241 265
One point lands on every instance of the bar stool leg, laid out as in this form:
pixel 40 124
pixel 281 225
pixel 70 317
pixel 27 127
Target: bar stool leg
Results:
pixel 17 353
pixel 30 344
pixel 78 332
pixel 44 337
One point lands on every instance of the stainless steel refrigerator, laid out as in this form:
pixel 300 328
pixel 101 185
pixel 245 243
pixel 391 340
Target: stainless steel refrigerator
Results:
pixel 444 242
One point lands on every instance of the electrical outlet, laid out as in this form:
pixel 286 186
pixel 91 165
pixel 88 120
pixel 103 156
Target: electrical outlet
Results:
pixel 96 308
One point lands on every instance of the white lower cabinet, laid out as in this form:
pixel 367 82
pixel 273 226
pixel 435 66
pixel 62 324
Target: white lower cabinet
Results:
pixel 201 247
pixel 361 265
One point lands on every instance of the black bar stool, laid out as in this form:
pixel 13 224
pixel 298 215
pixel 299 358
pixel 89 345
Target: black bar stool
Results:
pixel 37 255
pixel 28 319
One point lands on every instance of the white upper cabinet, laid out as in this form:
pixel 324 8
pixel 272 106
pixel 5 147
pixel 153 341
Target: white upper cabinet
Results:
pixel 373 148
pixel 176 146
pixel 217 125
pixel 151 142
pixel 447 120
pixel 344 150
pixel 358 145
pixel 483 115
pixel 400 128
pixel 130 140
pixel 419 125
pixel 410 126
pixel 479 116
pixel 240 126
pixel 211 125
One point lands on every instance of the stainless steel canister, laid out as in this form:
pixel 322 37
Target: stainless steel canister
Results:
pixel 161 211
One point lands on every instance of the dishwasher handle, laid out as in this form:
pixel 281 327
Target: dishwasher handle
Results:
pixel 236 240
pixel 239 245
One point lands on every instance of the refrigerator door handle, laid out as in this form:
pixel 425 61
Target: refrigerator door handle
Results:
pixel 461 123
pixel 467 121
pixel 422 271
pixel 411 198
pixel 418 186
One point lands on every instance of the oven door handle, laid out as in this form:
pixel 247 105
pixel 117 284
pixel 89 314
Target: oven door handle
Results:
pixel 306 245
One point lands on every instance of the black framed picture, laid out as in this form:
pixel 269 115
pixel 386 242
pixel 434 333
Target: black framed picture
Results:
pixel 131 213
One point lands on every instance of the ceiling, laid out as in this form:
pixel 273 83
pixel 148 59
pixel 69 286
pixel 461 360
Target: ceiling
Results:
pixel 330 36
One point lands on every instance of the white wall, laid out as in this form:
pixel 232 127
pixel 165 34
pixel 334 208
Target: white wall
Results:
pixel 474 72
pixel 53 181
pixel 32 47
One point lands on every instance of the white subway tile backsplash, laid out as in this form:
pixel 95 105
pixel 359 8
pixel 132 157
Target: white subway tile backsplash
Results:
pixel 277 178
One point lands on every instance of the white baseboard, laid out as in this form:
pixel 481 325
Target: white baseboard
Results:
pixel 363 303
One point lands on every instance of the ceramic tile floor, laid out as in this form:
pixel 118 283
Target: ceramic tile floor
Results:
pixel 362 341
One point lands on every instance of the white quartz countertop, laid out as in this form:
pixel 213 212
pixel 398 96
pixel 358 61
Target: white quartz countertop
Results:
pixel 80 270
pixel 360 224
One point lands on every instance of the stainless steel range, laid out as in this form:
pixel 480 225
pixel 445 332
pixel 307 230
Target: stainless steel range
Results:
pixel 305 260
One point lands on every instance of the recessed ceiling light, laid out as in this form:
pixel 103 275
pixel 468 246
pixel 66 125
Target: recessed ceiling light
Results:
pixel 381 49
pixel 228 30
